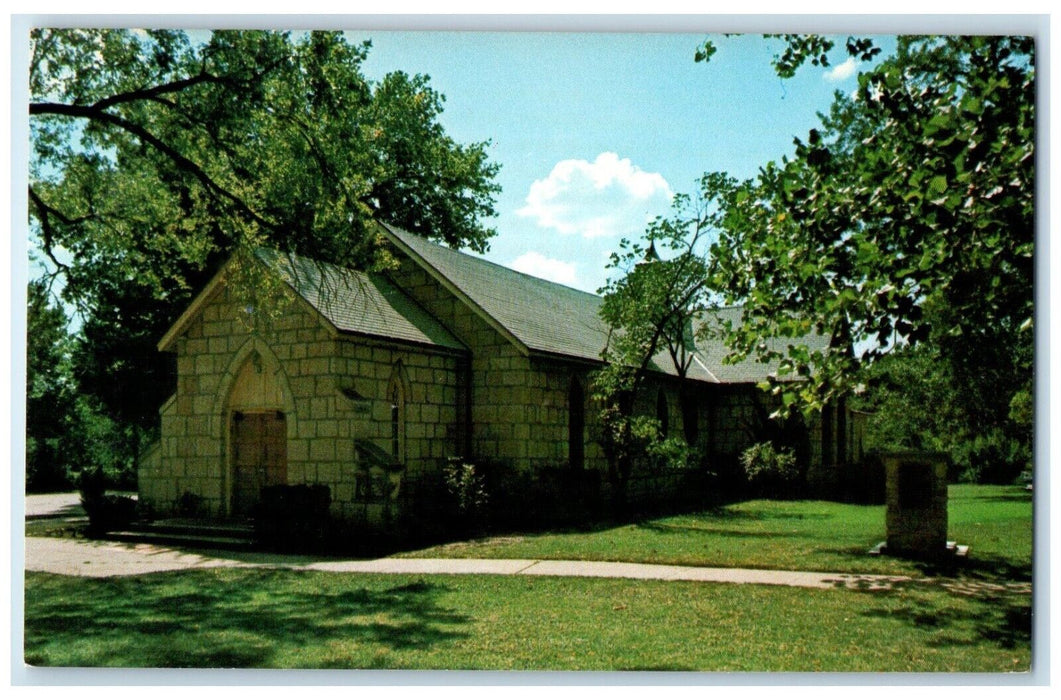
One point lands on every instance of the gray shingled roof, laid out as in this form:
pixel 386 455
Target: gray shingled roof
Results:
pixel 712 352
pixel 545 316
pixel 359 302
pixel 548 317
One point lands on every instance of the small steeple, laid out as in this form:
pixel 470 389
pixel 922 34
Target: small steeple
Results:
pixel 650 255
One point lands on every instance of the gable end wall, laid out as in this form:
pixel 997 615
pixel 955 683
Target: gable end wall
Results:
pixel 322 423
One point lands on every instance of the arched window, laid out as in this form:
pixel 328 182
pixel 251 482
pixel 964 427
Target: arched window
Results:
pixel 396 398
pixel 576 424
pixel 662 413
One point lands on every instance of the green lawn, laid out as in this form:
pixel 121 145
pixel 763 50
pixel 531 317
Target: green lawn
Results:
pixel 255 618
pixel 285 619
pixel 995 521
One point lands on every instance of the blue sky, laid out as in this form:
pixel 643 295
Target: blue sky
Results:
pixel 595 132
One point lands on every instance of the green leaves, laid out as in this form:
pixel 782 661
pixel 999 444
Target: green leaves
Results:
pixel 649 305
pixel 799 48
pixel 252 135
pixel 937 185
pixel 704 52
pixel 155 157
pixel 905 198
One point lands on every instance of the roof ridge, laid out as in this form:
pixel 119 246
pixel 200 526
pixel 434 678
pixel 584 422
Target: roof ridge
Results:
pixel 308 258
pixel 402 233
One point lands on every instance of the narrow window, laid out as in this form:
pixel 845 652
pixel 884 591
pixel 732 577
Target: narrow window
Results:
pixel 576 424
pixel 394 427
pixel 662 413
pixel 396 397
pixel 842 441
pixel 827 447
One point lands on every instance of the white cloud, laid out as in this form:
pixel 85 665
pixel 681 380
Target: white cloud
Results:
pixel 534 263
pixel 842 72
pixel 608 197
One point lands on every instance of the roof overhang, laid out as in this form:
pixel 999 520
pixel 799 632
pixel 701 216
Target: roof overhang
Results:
pixel 210 291
pixel 204 297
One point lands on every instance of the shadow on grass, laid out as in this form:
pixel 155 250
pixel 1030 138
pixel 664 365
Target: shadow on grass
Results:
pixel 979 568
pixel 709 530
pixel 1003 619
pixel 70 510
pixel 741 509
pixel 972 568
pixel 658 522
pixel 214 619
pixel 1012 497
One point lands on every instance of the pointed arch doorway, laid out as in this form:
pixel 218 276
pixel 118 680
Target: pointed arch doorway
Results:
pixel 259 456
pixel 257 433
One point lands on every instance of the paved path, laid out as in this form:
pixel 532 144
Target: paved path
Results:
pixel 53 505
pixel 94 558
pixel 100 559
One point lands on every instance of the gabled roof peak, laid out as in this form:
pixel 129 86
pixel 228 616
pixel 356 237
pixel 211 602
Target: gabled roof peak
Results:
pixel 349 301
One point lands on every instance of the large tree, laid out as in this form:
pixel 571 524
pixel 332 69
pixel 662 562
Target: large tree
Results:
pixel 908 216
pixel 155 156
pixel 920 399
pixel 191 146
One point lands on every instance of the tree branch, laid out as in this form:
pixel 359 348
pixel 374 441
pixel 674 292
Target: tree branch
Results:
pixel 154 92
pixel 180 160
pixel 203 77
pixel 44 214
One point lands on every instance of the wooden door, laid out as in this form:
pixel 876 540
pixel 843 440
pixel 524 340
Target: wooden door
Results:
pixel 259 456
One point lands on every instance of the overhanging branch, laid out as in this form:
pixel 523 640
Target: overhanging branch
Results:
pixel 180 160
pixel 45 212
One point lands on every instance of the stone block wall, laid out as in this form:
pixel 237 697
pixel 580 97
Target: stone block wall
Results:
pixel 312 367
pixel 837 436
pixel 735 411
pixel 518 404
pixel 548 408
pixel 431 387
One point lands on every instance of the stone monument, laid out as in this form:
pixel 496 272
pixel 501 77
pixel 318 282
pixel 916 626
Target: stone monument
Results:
pixel 916 490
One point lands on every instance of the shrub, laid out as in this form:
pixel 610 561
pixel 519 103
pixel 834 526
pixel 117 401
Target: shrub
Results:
pixel 293 517
pixel 190 505
pixel 46 471
pixel 109 513
pixel 105 512
pixel 672 453
pixel 467 493
pixel 769 470
pixel 992 458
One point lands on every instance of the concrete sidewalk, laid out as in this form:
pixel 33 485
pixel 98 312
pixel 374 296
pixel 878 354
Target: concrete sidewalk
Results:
pixel 92 558
pixel 53 505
